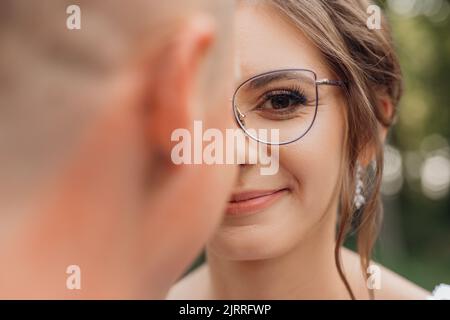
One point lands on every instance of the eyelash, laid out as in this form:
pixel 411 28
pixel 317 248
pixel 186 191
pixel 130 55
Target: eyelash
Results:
pixel 293 90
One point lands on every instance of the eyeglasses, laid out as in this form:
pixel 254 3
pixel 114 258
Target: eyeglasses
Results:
pixel 284 100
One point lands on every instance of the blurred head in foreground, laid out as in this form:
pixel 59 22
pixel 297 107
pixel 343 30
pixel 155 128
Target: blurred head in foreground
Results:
pixel 86 117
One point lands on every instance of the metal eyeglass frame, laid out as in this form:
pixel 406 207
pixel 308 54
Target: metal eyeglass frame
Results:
pixel 238 115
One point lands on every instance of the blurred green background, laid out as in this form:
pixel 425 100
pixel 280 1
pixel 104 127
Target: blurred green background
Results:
pixel 415 239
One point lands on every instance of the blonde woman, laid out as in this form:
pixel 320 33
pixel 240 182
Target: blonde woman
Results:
pixel 314 71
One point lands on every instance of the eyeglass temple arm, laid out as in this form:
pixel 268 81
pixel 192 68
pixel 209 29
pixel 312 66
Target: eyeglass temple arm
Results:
pixel 329 82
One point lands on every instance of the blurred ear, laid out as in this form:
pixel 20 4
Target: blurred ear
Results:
pixel 175 79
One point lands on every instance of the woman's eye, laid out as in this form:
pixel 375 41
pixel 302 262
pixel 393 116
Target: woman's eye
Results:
pixel 284 101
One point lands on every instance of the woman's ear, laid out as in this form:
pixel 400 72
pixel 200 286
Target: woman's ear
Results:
pixel 387 109
pixel 175 78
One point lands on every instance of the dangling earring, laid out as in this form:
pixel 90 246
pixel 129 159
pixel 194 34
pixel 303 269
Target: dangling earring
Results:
pixel 359 200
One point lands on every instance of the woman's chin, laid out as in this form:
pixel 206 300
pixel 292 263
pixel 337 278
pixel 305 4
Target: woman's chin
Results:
pixel 248 244
pixel 266 234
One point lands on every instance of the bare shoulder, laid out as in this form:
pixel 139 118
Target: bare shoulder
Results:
pixel 191 287
pixel 392 285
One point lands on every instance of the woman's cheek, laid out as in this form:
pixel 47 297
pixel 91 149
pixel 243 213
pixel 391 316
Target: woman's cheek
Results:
pixel 314 163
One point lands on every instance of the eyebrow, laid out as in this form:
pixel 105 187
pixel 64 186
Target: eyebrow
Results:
pixel 262 81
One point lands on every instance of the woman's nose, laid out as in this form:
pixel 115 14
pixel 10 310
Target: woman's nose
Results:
pixel 246 149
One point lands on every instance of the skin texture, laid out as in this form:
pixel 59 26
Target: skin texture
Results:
pixel 110 207
pixel 286 250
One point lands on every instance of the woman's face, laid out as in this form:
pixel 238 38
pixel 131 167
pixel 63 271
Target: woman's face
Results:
pixel 309 169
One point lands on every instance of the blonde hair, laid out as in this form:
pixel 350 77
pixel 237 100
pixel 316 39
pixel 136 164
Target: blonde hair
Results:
pixel 366 60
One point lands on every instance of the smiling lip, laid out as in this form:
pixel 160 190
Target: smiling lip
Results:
pixel 253 201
